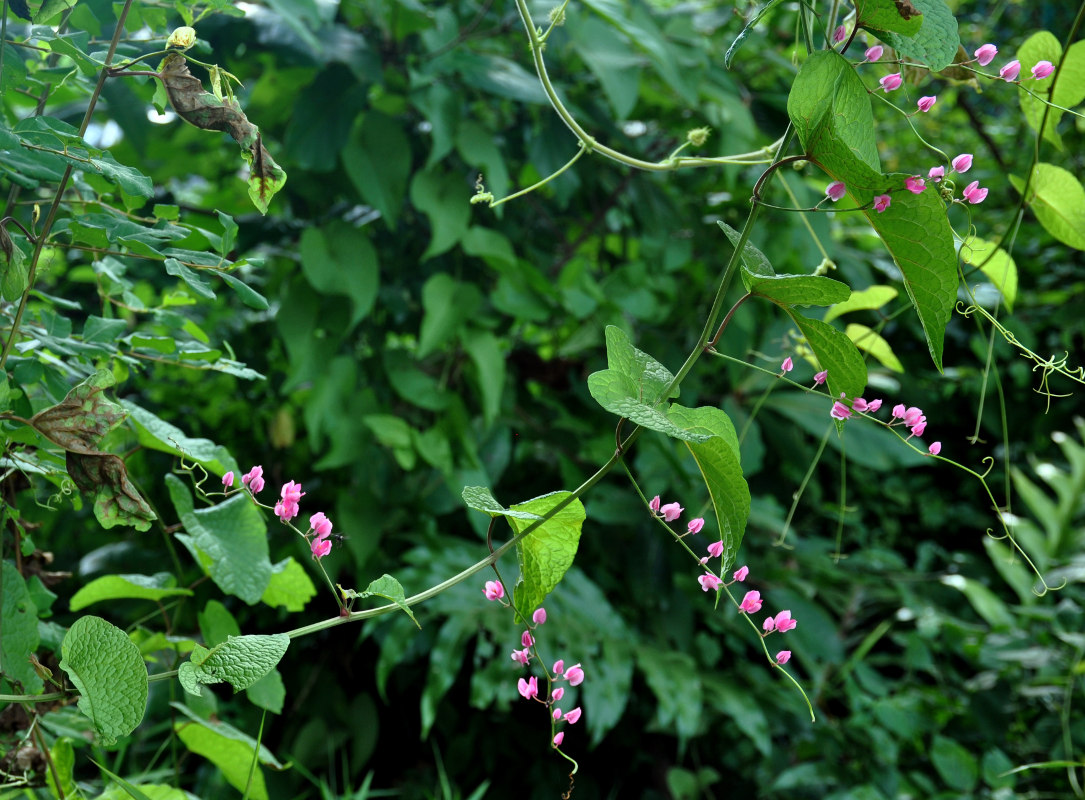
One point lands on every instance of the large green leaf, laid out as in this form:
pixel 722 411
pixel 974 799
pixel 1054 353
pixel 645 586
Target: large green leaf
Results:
pixel 936 42
pixel 228 749
pixel 108 670
pixel 228 540
pixel 1057 198
pixel 836 353
pixel 447 303
pixel 718 459
pixel 340 259
pixel 481 499
pixel 377 160
pixel 917 234
pixel 899 16
pixel 754 261
pixel 995 263
pixel 870 341
pixel 290 586
pixel 127 587
pixel 157 434
pixel 802 290
pixel 1066 88
pixel 19 632
pixel 239 661
pixel 445 199
pixel 549 550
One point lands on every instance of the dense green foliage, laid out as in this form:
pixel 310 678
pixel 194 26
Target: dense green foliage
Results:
pixel 384 341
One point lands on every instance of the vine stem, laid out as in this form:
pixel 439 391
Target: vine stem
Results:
pixel 50 217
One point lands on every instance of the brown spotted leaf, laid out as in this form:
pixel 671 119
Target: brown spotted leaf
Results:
pixel 116 500
pixel 83 417
pixel 205 110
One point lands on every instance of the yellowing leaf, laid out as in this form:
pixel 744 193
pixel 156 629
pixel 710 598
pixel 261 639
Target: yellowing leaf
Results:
pixel 872 342
pixel 995 263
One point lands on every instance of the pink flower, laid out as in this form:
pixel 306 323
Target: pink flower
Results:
pixel 919 428
pixel 539 617
pixel 872 54
pixel 1010 72
pixel 840 34
pixel 653 504
pixel 936 174
pixel 935 448
pixel 915 184
pixel 1042 70
pixel 769 625
pixel 962 163
pixel 526 639
pixel 321 525
pixel 575 675
pixel 521 656
pixel 573 715
pixel 783 656
pixel 557 694
pixel 529 688
pixel 703 560
pixel 820 377
pixel 709 582
pixel 835 190
pixel 873 406
pixel 559 666
pixel 320 547
pixel 291 493
pixel 925 103
pixel 911 416
pixel 228 479
pixel 557 714
pixel 787 366
pixel 559 739
pixel 881 202
pixel 286 510
pixel 858 404
pixel 741 573
pixel 716 549
pixel 986 54
pixel 784 622
pixel 973 193
pixel 671 511
pixel 254 479
pixel 695 525
pixel 751 603
pixel 840 411
pixel 890 82
pixel 494 590
pixel 899 411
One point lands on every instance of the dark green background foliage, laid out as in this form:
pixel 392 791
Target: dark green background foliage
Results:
pixel 413 344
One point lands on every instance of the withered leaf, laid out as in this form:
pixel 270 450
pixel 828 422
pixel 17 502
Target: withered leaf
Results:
pixel 83 417
pixel 906 9
pixel 117 502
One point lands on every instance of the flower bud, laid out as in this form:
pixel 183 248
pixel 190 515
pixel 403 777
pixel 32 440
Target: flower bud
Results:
pixel 182 38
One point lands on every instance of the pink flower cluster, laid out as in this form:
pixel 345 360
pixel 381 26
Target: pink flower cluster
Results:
pixel 320 527
pixel 985 54
pixel 911 417
pixel 751 604
pixel 529 687
pixel 672 511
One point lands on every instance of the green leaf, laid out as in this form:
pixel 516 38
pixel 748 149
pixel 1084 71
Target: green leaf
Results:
pixel 265 181
pixel 995 263
pixel 874 297
pixel 239 661
pixel 917 234
pixel 870 341
pixel 888 15
pixel 19 632
pixel 97 329
pixel 803 290
pixel 446 304
pixel 340 259
pixel 228 749
pixel 937 41
pixel 1058 201
pixel 954 763
pixel 1065 88
pixel 269 692
pixel 986 603
pixel 157 434
pixel 108 670
pixel 754 261
pixel 485 352
pixel 62 757
pixel 719 461
pixel 377 159
pixel 248 295
pixel 481 499
pixel 50 8
pixel 132 791
pixel 229 233
pixel 127 587
pixel 445 200
pixel 387 587
pixel 191 278
pixel 746 30
pixel 611 58
pixel 836 353
pixel 549 550
pixel 228 540
pixel 290 586
pixel 16 271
